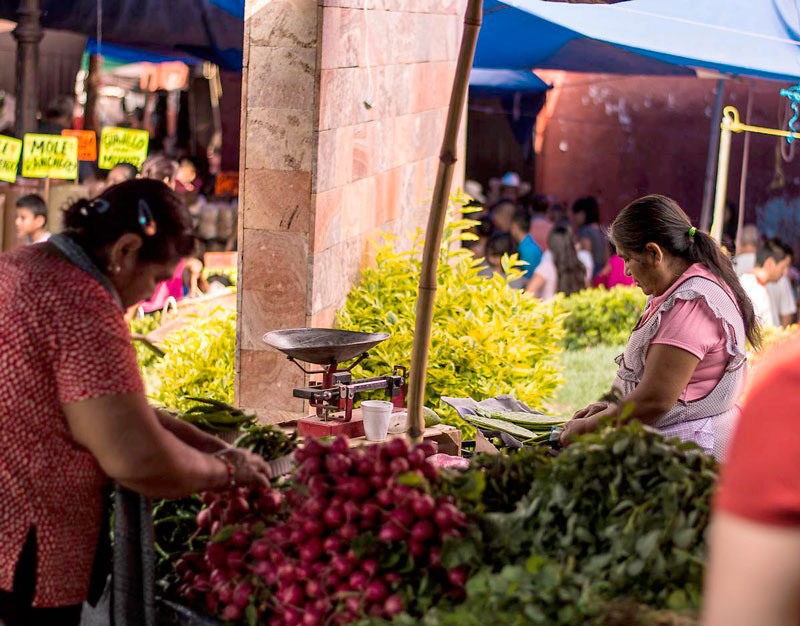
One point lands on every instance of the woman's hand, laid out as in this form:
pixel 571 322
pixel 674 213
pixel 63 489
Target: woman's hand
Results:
pixel 592 409
pixel 576 427
pixel 249 469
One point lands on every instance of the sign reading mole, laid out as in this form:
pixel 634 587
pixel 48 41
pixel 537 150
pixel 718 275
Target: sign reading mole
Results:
pixel 49 156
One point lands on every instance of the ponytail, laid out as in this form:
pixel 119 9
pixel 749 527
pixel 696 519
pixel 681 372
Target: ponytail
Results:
pixel 704 250
pixel 658 219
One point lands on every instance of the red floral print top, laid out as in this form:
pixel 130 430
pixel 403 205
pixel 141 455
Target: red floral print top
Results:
pixel 63 339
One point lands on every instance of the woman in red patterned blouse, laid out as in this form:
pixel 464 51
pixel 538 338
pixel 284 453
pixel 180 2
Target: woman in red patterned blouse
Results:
pixel 72 407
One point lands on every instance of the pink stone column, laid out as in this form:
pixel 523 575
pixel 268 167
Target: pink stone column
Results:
pixel 275 225
pixel 343 111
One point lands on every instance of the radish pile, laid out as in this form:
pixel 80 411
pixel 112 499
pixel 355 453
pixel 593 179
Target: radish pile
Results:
pixel 333 548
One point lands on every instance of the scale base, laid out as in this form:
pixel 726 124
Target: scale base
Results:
pixel 314 426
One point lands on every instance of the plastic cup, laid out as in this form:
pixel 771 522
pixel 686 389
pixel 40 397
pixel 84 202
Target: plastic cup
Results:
pixel 376 414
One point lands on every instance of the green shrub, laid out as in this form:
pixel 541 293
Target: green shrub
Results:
pixel 601 316
pixel 145 357
pixel 487 338
pixel 199 361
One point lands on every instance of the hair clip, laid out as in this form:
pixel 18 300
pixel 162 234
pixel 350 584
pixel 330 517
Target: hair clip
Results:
pixel 692 232
pixel 99 205
pixel 146 220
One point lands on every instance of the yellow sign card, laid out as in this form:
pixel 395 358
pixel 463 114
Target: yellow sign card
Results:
pixel 10 151
pixel 122 145
pixel 49 156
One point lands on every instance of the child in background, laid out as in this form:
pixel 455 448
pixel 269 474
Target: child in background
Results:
pixel 613 273
pixel 31 220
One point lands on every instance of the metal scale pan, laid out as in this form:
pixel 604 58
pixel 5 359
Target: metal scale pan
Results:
pixel 322 346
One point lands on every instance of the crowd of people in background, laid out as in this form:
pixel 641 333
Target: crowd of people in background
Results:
pixel 564 250
pixel 561 250
pixel 214 217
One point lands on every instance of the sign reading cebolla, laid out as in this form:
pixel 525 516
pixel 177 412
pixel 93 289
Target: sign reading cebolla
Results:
pixel 10 151
pixel 122 145
pixel 49 156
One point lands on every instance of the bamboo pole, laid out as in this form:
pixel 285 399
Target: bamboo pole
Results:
pixel 722 180
pixel 433 236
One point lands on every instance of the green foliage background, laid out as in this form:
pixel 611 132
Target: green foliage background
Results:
pixel 199 362
pixel 487 338
pixel 601 316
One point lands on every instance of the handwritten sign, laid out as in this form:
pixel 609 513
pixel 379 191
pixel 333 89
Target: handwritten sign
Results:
pixel 10 151
pixel 87 143
pixel 122 145
pixel 49 156
pixel 227 184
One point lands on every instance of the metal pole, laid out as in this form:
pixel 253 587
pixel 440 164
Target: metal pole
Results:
pixel 722 180
pixel 28 34
pixel 711 161
pixel 745 167
pixel 433 235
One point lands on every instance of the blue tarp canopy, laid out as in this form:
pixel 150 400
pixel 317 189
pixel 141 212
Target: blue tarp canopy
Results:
pixel 742 37
pixel 499 82
pixel 204 29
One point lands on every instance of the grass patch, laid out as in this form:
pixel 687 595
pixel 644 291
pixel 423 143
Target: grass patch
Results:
pixel 588 374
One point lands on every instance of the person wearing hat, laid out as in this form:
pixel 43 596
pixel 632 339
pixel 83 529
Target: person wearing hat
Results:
pixel 684 366
pixel 509 188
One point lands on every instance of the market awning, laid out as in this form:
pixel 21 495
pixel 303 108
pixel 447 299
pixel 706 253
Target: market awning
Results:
pixel 739 37
pixel 499 82
pixel 206 29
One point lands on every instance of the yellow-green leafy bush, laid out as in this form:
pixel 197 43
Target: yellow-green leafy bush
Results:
pixel 142 326
pixel 199 361
pixel 487 338
pixel 771 337
pixel 601 316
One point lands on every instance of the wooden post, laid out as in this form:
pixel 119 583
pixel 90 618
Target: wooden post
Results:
pixel 711 160
pixel 433 236
pixel 93 84
pixel 28 34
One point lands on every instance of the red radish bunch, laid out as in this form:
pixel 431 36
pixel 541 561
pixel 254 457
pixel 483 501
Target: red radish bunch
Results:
pixel 316 565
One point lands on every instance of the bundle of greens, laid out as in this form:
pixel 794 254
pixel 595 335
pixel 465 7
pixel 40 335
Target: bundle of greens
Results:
pixel 215 416
pixel 623 507
pixel 527 427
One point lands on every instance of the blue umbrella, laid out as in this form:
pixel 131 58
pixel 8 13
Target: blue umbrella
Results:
pixel 644 37
pixel 486 81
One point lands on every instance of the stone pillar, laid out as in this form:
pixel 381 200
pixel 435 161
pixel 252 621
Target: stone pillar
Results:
pixel 343 113
pixel 275 216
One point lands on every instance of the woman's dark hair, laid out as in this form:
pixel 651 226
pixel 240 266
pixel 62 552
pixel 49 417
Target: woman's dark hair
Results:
pixel 589 207
pixel 138 206
pixel 659 220
pixel 570 271
pixel 499 244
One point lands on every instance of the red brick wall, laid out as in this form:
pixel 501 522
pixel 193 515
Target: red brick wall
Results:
pixel 621 137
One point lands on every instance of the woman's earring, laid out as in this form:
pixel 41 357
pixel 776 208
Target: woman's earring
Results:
pixel 114 269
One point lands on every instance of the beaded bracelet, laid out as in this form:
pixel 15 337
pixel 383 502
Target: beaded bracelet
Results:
pixel 228 466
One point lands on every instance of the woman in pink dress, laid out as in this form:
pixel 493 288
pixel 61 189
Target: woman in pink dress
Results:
pixel 613 274
pixel 685 362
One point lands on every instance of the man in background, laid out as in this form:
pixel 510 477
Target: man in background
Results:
pixel 781 295
pixel 771 264
pixel 31 220
pixel 541 224
pixel 527 249
pixel 745 260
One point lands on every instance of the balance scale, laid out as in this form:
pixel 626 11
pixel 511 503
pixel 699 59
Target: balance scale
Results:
pixel 332 398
